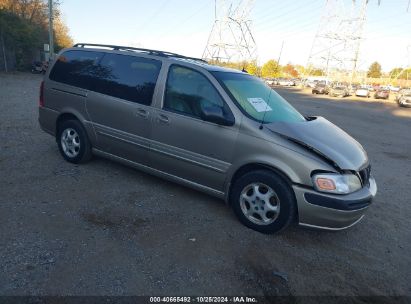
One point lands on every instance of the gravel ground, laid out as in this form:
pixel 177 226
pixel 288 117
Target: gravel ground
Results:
pixel 105 229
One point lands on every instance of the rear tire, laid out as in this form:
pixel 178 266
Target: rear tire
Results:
pixel 73 142
pixel 263 201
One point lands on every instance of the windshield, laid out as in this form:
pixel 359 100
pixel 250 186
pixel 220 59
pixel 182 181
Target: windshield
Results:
pixel 256 99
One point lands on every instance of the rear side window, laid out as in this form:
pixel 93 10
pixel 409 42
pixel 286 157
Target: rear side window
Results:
pixel 76 68
pixel 128 77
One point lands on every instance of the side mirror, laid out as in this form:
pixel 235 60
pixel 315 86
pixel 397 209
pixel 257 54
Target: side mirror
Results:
pixel 216 115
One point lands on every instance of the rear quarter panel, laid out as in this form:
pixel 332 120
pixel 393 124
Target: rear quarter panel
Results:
pixel 62 99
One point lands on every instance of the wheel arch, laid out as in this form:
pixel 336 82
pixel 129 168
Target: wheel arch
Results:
pixel 74 115
pixel 249 167
pixel 246 168
pixel 63 117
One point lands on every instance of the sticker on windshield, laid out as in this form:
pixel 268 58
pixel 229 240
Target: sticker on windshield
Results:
pixel 259 104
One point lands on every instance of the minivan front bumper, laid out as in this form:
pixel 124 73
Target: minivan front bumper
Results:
pixel 330 211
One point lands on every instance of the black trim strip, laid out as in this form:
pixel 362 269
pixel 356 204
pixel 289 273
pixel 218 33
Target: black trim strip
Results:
pixel 68 92
pixel 336 203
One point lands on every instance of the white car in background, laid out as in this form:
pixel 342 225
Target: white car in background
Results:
pixel 271 81
pixel 394 88
pixel 363 92
pixel 405 99
pixel 286 82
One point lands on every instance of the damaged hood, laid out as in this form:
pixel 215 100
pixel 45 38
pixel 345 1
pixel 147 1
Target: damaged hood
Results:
pixel 325 139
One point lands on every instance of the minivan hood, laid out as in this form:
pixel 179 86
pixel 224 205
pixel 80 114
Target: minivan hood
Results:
pixel 325 139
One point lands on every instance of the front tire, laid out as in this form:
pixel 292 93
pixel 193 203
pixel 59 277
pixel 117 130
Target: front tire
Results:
pixel 73 142
pixel 263 201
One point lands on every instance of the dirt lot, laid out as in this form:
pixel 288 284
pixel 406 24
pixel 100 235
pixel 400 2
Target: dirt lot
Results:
pixel 105 229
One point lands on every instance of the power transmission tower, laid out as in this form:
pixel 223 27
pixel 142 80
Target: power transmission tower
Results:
pixel 336 46
pixel 231 39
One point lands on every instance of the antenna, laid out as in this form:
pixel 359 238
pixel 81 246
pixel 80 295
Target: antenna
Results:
pixel 265 111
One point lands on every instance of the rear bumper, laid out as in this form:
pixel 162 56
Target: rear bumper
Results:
pixel 333 212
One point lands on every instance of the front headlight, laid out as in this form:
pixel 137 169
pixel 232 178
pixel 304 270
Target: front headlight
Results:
pixel 336 183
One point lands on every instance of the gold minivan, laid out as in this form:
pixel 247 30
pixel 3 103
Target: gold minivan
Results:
pixel 214 129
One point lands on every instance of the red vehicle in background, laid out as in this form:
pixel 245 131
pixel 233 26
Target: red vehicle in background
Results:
pixel 382 94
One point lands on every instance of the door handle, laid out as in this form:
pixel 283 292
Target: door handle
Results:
pixel 143 113
pixel 163 119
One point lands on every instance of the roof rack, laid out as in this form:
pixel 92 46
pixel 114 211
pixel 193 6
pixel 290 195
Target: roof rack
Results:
pixel 133 49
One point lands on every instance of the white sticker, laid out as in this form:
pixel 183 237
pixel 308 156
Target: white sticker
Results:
pixel 259 104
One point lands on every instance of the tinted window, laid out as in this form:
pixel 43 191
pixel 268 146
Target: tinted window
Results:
pixel 188 91
pixel 76 68
pixel 128 77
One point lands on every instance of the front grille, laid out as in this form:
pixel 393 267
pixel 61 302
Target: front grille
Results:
pixel 365 175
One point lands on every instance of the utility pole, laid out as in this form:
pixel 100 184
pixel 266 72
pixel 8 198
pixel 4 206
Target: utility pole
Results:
pixel 51 37
pixel 3 48
pixel 281 51
pixel 279 57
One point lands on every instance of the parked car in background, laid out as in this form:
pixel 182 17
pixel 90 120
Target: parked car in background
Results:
pixel 271 81
pixel 394 88
pixel 363 92
pixel 320 89
pixel 286 82
pixel 401 93
pixel 352 88
pixel 405 99
pixel 37 67
pixel 297 82
pixel 214 129
pixel 382 94
pixel 311 84
pixel 338 91
pixel 370 88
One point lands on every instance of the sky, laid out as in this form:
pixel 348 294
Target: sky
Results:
pixel 183 26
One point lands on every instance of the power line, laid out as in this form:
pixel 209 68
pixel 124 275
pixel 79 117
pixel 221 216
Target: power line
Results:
pixel 152 16
pixel 186 19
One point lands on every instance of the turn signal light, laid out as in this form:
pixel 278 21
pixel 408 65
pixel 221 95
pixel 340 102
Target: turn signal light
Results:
pixel 325 184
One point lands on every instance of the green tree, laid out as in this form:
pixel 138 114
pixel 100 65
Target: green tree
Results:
pixel 317 72
pixel 271 69
pixel 252 68
pixel 400 73
pixel 396 72
pixel 374 71
pixel 24 28
pixel 300 69
pixel 406 74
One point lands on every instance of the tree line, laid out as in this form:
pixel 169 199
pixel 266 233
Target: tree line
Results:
pixel 375 71
pixel 24 30
pixel 271 69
